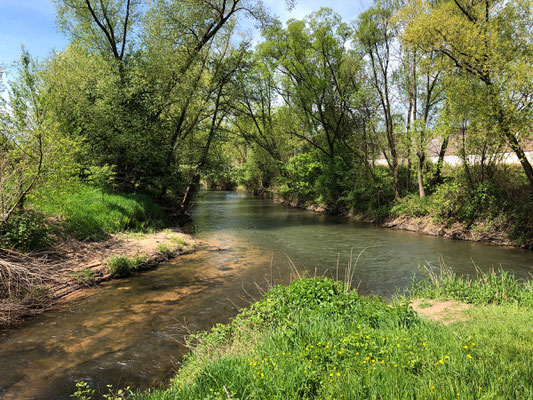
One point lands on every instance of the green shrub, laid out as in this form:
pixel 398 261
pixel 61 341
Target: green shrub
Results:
pixel 25 231
pixel 411 205
pixel 83 277
pixel 120 266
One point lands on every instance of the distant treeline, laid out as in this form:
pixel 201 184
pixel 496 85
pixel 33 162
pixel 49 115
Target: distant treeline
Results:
pixel 158 96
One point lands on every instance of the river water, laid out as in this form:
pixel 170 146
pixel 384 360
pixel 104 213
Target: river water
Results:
pixel 132 331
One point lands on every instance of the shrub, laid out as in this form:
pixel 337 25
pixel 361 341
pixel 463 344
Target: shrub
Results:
pixel 411 205
pixel 25 231
pixel 120 266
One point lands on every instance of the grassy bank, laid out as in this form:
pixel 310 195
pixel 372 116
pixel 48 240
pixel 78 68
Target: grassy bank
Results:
pixel 90 214
pixel 315 339
pixel 82 212
pixel 74 238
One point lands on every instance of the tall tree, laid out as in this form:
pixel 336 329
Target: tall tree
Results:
pixel 378 36
pixel 489 42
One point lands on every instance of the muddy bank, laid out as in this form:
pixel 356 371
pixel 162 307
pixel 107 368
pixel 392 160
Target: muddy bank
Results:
pixel 456 230
pixel 41 281
pixel 425 225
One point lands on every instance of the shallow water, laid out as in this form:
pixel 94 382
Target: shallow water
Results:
pixel 131 331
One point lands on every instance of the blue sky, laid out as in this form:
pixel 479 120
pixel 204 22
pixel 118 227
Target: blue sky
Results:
pixel 32 23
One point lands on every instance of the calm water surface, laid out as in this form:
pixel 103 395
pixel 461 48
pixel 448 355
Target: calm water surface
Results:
pixel 131 331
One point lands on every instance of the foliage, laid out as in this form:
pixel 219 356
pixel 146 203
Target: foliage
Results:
pixel 181 244
pixel 84 277
pixel 84 392
pixel 165 250
pixel 25 231
pixel 300 341
pixel 121 266
pixel 101 177
pixel 501 202
pixel 32 150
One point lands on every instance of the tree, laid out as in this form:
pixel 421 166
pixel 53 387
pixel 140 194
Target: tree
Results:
pixel 310 55
pixel 255 107
pixel 490 42
pixel 103 25
pixel 377 35
pixel 31 151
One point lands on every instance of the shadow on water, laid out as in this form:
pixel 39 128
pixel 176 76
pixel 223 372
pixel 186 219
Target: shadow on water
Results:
pixel 131 331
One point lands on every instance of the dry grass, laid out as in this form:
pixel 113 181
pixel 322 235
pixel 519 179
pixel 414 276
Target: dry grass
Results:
pixel 25 283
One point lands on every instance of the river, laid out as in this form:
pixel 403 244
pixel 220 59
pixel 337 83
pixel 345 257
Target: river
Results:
pixel 132 331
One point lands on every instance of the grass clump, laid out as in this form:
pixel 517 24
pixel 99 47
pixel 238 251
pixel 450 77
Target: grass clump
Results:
pixel 84 277
pixel 176 246
pixel 121 266
pixel 316 339
pixel 164 249
pixel 90 214
pixel 493 287
pixel 181 244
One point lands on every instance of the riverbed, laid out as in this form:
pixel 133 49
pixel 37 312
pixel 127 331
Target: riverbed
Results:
pixel 131 332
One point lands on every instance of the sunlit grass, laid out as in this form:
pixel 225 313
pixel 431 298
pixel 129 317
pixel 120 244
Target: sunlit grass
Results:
pixel 316 340
pixel 88 214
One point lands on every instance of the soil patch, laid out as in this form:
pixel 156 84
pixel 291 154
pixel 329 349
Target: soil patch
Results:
pixel 444 311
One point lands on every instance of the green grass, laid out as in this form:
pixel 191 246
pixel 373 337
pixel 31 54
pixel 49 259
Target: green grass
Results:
pixel 121 266
pixel 494 287
pixel 314 339
pixel 165 250
pixel 83 277
pixel 87 214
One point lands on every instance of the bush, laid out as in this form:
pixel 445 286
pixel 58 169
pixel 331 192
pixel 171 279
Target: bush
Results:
pixel 411 205
pixel 120 266
pixel 165 250
pixel 25 231
pixel 83 277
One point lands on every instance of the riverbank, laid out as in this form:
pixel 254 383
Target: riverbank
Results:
pixel 39 281
pixel 480 232
pixel 318 339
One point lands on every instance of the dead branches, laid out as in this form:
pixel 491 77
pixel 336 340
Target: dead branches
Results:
pixel 25 281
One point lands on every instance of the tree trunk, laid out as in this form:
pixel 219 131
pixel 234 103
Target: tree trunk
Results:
pixel 515 146
pixel 420 170
pixel 437 179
